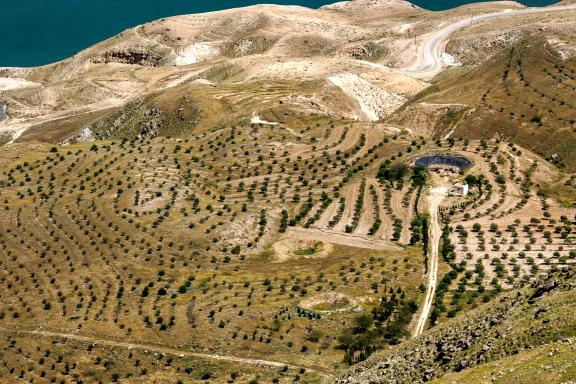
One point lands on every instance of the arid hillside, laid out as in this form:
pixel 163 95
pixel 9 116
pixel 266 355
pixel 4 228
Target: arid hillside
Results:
pixel 524 94
pixel 344 60
pixel 524 336
pixel 367 192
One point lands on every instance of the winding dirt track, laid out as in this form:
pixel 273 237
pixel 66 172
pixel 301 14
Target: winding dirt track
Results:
pixel 430 52
pixel 435 197
pixel 161 349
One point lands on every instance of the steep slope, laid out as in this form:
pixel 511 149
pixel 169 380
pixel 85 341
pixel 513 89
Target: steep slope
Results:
pixel 513 324
pixel 525 95
pixel 550 363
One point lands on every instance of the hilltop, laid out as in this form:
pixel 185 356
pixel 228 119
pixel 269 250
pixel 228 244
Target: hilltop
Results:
pixel 248 45
pixel 343 60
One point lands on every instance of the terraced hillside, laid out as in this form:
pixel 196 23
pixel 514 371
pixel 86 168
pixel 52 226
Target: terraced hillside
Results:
pixel 241 243
pixel 525 94
pixel 279 194
pixel 147 242
pixel 525 336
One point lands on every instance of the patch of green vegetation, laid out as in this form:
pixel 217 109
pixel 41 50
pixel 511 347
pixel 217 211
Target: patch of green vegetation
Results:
pixel 386 324
pixel 371 51
pixel 307 251
pixel 266 254
pixel 449 120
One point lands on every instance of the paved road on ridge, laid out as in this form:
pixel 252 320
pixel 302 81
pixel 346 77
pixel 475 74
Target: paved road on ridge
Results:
pixel 430 53
pixel 430 58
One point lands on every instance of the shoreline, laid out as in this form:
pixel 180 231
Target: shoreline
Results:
pixel 110 34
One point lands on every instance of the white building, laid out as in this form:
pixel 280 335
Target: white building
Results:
pixel 459 189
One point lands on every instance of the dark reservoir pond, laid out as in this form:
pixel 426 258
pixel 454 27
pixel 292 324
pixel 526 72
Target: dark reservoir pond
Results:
pixel 455 161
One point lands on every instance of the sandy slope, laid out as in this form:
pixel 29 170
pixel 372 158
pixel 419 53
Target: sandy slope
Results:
pixel 196 53
pixel 374 102
pixel 11 83
pixel 359 55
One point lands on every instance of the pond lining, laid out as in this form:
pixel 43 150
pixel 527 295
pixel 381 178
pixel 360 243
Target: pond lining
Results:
pixel 451 160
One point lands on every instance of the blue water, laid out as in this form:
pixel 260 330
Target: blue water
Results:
pixel 37 32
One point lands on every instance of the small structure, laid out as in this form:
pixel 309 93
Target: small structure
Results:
pixel 459 190
pixel 444 170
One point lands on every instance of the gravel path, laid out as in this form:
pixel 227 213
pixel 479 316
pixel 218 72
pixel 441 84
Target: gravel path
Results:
pixel 437 194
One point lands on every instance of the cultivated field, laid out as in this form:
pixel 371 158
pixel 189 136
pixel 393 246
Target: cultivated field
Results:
pixel 238 243
pixel 275 194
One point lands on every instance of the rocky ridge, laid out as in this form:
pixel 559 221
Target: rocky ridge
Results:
pixel 517 321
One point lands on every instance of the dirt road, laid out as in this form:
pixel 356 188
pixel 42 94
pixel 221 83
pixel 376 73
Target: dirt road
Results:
pixel 161 349
pixel 431 51
pixel 341 238
pixel 435 197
